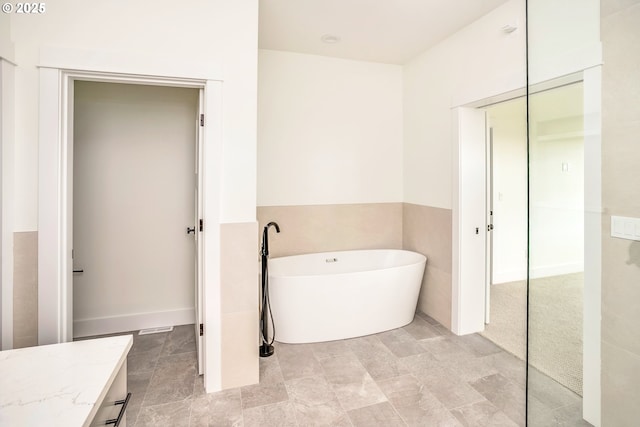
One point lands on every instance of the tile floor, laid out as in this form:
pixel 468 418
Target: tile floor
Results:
pixel 419 375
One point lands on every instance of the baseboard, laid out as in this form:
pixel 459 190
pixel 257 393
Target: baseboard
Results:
pixel 508 276
pixel 132 322
pixel 537 272
pixel 556 270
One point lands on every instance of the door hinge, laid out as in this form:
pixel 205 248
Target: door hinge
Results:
pixel 201 225
pixel 201 120
pixel 490 227
pixel 201 329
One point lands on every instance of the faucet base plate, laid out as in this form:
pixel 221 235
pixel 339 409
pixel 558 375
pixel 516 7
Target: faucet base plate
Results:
pixel 266 350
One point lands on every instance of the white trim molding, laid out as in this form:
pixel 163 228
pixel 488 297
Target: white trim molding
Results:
pixel 469 221
pixel 592 295
pixel 126 63
pixel 132 322
pixel 7 109
pixel 55 196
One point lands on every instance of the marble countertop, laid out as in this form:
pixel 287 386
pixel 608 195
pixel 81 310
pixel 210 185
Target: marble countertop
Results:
pixel 59 384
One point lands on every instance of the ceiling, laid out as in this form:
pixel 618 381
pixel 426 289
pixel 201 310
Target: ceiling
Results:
pixel 388 31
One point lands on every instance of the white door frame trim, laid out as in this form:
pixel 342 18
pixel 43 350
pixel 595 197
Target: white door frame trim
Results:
pixel 7 108
pixel 461 319
pixel 55 196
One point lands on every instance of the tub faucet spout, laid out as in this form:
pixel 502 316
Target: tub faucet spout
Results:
pixel 265 238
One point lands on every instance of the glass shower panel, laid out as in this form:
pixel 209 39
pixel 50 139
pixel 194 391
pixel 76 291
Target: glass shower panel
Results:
pixel 505 319
pixel 583 348
pixel 556 255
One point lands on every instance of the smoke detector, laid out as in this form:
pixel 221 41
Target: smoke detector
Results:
pixel 508 29
pixel 330 39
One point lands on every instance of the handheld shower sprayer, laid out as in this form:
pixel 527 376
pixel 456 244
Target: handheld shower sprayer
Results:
pixel 266 349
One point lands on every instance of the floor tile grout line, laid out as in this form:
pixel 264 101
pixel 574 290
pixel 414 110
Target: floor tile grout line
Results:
pixel 367 373
pixel 359 358
pixel 292 403
pixel 153 373
pixel 564 406
pixel 405 422
pixel 190 411
pixel 241 409
pixel 484 399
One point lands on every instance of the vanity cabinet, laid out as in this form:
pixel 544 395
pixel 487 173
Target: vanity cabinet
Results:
pixel 113 410
pixel 81 384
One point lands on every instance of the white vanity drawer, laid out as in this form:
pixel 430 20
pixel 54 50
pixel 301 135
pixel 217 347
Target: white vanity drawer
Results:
pixel 114 402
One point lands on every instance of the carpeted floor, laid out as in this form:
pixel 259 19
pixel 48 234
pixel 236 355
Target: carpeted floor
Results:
pixel 555 328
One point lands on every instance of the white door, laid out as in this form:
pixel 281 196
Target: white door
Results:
pixel 199 226
pixel 469 221
pixel 489 192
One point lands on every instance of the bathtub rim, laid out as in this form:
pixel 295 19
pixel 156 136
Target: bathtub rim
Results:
pixel 423 260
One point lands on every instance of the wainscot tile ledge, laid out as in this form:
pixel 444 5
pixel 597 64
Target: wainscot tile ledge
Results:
pixel 59 384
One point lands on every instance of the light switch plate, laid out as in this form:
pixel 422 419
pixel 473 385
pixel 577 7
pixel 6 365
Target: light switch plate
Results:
pixel 625 227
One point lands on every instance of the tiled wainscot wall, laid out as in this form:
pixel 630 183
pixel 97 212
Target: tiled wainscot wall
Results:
pixel 25 289
pixel 322 228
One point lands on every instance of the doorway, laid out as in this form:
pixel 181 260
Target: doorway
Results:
pixel 55 202
pixel 135 207
pixel 555 212
pixel 469 216
pixel 505 316
pixel 133 184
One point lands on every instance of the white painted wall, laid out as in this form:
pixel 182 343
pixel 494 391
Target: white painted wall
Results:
pixel 557 206
pixel 6 45
pixel 561 36
pixel 6 291
pixel 134 182
pixel 208 40
pixel 480 62
pixel 221 34
pixel 474 63
pixel 329 130
pixel 7 72
pixel 557 196
pixel 235 27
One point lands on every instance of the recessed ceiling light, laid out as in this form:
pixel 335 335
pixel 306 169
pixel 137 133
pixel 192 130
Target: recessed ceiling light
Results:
pixel 330 39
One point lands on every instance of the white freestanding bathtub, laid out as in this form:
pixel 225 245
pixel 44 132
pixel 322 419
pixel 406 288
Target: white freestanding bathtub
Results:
pixel 335 295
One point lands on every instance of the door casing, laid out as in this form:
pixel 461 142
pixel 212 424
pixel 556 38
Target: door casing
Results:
pixel 467 315
pixel 55 207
